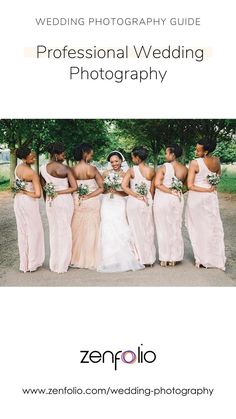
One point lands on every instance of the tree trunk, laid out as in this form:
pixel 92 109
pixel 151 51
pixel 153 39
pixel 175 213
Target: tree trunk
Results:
pixel 36 165
pixel 13 161
pixel 184 154
pixel 155 158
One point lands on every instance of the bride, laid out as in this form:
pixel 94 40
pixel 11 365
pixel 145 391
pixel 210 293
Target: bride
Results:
pixel 116 248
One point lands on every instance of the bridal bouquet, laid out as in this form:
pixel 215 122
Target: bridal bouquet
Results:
pixel 50 191
pixel 112 181
pixel 177 185
pixel 142 189
pixel 82 190
pixel 19 185
pixel 213 179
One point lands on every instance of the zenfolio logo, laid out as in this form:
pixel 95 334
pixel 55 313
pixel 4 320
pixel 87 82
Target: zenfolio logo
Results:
pixel 127 356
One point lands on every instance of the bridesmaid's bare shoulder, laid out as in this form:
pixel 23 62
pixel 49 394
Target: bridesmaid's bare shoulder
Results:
pixel 183 168
pixel 216 160
pixel 122 174
pixel 35 176
pixel 63 169
pixel 217 163
pixel 213 163
pixel 73 169
pixel 159 172
pixel 151 172
pixel 92 171
pixel 26 173
pixel 161 168
pixel 213 158
pixel 130 172
pixel 181 171
pixel 194 165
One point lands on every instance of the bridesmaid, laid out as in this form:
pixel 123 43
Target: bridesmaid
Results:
pixel 168 208
pixel 86 218
pixel 28 220
pixel 139 208
pixel 60 209
pixel 202 212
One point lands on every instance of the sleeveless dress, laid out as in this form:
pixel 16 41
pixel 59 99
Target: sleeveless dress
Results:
pixel 29 229
pixel 140 219
pixel 117 253
pixel 59 215
pixel 168 211
pixel 85 228
pixel 202 219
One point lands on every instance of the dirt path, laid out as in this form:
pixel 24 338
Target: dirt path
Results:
pixel 185 274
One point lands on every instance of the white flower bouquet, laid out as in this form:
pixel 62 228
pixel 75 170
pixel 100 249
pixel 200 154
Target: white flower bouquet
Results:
pixel 82 190
pixel 177 185
pixel 142 189
pixel 112 181
pixel 19 185
pixel 213 179
pixel 50 191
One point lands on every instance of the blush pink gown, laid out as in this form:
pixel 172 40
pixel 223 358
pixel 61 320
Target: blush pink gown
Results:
pixel 85 228
pixel 140 219
pixel 30 230
pixel 168 211
pixel 202 219
pixel 59 215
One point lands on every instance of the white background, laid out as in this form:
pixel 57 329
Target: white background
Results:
pixel 41 88
pixel 191 329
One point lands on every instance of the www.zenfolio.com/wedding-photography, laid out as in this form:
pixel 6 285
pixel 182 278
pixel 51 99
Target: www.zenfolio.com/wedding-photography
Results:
pixel 122 202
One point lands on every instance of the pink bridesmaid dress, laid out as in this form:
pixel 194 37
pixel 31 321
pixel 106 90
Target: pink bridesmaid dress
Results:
pixel 140 219
pixel 59 214
pixel 168 211
pixel 85 228
pixel 202 219
pixel 30 230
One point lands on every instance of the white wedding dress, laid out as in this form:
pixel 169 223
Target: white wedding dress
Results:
pixel 116 248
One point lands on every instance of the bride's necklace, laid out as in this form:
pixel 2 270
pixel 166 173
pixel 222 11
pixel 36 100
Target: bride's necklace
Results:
pixel 118 172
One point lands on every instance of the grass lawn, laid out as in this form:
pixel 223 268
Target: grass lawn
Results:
pixel 228 182
pixel 4 185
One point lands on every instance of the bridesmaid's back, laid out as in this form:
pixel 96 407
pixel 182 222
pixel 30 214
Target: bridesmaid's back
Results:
pixel 24 173
pixel 84 171
pixel 212 163
pixel 180 170
pixel 147 172
pixel 57 170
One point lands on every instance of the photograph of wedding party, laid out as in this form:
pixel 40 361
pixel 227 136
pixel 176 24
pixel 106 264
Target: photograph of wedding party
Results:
pixel 118 202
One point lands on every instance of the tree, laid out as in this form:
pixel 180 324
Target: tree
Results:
pixel 18 132
pixel 157 134
pixel 38 133
pixel 151 133
pixel 121 134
